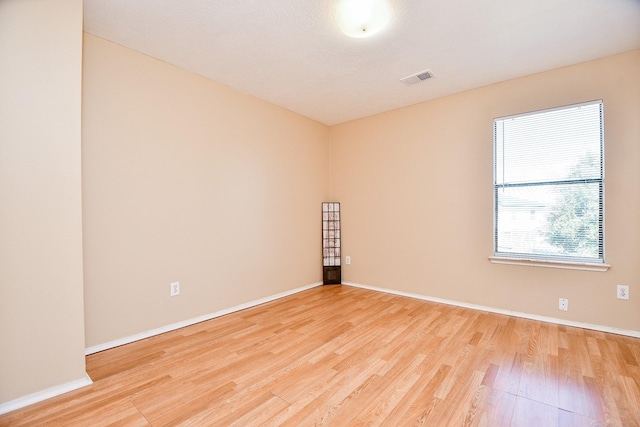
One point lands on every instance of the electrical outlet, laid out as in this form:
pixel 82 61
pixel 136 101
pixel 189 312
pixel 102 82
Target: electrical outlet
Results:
pixel 175 289
pixel 563 304
pixel 347 260
pixel 623 292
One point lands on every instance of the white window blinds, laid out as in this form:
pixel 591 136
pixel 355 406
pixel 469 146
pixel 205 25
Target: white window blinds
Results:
pixel 548 184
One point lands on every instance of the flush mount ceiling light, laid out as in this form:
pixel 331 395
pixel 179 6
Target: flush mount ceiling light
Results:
pixel 363 18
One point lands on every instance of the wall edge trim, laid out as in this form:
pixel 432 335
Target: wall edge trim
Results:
pixel 600 328
pixel 173 326
pixel 45 394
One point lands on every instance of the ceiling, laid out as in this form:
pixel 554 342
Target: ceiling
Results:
pixel 291 52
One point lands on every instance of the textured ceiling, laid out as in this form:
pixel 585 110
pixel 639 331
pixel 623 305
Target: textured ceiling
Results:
pixel 292 53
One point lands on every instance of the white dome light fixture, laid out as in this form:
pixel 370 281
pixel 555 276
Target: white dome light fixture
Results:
pixel 363 18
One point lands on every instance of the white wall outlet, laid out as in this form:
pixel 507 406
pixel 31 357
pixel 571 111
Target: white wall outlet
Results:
pixel 347 260
pixel 563 304
pixel 175 289
pixel 623 292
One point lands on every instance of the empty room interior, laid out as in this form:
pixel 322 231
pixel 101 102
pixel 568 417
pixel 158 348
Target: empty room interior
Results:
pixel 163 170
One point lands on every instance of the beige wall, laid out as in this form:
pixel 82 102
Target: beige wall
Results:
pixel 41 300
pixel 187 180
pixel 416 192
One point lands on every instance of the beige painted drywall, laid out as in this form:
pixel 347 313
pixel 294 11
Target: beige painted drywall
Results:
pixel 416 192
pixel 187 180
pixel 41 299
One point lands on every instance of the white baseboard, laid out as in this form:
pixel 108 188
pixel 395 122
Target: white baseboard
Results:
pixel 193 321
pixel 44 394
pixel 630 333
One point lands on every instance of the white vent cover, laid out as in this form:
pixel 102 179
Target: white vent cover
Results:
pixel 418 77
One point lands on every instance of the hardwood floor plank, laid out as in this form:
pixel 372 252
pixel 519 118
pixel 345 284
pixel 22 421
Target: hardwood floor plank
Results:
pixel 571 419
pixel 595 399
pixel 510 373
pixel 425 402
pixel 323 403
pixel 460 408
pixel 490 375
pixel 162 407
pixel 258 415
pixel 390 389
pixel 345 356
pixel 298 382
pixel 495 408
pixel 539 380
pixel 529 413
pixel 629 402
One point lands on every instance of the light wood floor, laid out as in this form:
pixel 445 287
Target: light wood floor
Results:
pixel 343 356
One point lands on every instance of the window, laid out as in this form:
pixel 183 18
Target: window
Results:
pixel 548 185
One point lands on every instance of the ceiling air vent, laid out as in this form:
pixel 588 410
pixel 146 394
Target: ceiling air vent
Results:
pixel 418 77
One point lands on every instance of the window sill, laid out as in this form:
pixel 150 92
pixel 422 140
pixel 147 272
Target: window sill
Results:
pixel 550 264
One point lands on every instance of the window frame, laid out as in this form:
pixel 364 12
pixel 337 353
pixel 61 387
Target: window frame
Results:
pixel 555 261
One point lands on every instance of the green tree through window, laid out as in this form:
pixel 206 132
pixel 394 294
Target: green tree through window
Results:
pixel 573 223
